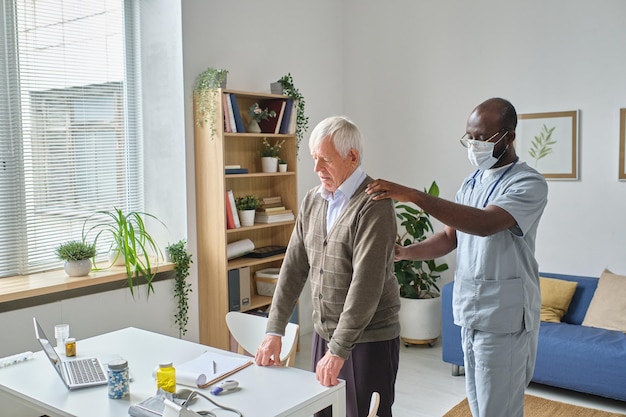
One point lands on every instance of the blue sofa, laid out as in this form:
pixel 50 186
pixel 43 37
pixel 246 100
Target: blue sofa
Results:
pixel 570 356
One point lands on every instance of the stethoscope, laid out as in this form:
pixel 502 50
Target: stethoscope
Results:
pixel 472 181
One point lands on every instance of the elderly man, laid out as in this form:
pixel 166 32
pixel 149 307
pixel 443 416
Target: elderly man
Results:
pixel 343 243
pixel 493 225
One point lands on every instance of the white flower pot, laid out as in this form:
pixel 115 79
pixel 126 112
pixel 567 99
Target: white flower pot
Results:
pixel 420 320
pixel 78 268
pixel 269 163
pixel 282 167
pixel 116 258
pixel 246 217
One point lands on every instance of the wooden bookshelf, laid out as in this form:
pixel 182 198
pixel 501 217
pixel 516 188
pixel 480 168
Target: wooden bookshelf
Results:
pixel 211 155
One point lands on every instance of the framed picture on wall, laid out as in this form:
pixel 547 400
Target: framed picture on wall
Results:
pixel 622 144
pixel 548 142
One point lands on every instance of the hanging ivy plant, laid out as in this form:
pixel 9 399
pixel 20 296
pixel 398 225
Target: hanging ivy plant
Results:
pixel 205 95
pixel 181 260
pixel 302 121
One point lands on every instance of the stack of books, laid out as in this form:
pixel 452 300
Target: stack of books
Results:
pixel 272 210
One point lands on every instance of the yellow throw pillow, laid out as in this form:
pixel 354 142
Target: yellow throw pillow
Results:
pixel 556 294
pixel 607 309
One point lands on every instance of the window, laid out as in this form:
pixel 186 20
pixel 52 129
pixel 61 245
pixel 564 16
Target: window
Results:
pixel 70 142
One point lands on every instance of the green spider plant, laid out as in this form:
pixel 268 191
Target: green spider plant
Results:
pixel 130 240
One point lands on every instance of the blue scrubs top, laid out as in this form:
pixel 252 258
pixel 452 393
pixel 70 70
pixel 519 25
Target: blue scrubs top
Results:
pixel 497 277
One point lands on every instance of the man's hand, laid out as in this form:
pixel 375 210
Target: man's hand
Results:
pixel 327 369
pixel 269 352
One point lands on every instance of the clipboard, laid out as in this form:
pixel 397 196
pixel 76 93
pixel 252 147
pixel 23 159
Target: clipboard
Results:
pixel 209 368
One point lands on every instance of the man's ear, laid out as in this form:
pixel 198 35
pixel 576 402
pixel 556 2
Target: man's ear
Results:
pixel 353 154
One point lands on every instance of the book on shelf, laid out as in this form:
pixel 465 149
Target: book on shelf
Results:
pixel 236 170
pixel 230 221
pixel 272 124
pixel 274 212
pixel 285 124
pixel 233 207
pixel 237 113
pixel 271 209
pixel 227 113
pixel 232 166
pixel 272 200
pixel 274 218
pixel 231 114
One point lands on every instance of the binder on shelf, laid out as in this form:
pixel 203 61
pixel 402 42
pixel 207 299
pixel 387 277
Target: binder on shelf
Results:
pixel 234 303
pixel 285 125
pixel 236 171
pixel 272 124
pixel 237 114
pixel 233 208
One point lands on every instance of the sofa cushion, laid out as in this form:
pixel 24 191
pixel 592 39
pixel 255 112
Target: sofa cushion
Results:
pixel 556 295
pixel 607 309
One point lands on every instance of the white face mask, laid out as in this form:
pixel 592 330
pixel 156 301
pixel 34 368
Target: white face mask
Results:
pixel 480 153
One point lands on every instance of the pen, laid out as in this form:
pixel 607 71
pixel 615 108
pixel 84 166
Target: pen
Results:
pixel 214 368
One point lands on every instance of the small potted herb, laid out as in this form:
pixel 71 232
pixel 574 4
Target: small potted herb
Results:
pixel 246 207
pixel 269 155
pixel 77 256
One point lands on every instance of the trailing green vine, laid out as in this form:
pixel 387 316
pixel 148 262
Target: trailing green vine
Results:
pixel 205 93
pixel 181 260
pixel 302 121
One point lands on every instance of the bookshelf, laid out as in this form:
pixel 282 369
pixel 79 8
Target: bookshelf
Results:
pixel 211 156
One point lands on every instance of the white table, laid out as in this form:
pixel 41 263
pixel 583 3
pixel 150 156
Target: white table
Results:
pixel 265 391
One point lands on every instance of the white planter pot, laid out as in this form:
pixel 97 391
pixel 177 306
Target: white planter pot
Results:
pixel 246 217
pixel 420 320
pixel 282 167
pixel 116 258
pixel 78 268
pixel 269 164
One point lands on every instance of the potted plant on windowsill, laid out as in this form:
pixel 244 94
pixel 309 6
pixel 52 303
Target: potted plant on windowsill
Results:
pixel 178 255
pixel 246 207
pixel 129 240
pixel 205 96
pixel 420 298
pixel 77 256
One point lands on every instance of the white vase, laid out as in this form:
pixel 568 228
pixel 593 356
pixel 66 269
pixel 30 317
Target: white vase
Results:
pixel 246 217
pixel 282 167
pixel 269 163
pixel 253 127
pixel 116 258
pixel 420 320
pixel 78 268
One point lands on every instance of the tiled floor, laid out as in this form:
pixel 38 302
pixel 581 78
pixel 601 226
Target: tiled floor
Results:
pixel 426 388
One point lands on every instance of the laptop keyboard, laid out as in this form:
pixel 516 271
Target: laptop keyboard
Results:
pixel 85 371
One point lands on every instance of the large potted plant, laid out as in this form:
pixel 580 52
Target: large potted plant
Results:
pixel 420 298
pixel 77 256
pixel 129 242
pixel 302 121
pixel 205 95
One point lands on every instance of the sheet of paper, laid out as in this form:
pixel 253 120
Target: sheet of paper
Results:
pixel 208 368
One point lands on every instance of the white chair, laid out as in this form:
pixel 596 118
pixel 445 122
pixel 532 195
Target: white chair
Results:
pixel 249 331
pixel 374 403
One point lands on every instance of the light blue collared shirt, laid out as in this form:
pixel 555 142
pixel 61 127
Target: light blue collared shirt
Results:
pixel 338 200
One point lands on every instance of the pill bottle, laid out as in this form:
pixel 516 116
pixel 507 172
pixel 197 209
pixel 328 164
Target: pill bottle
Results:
pixel 166 377
pixel 118 379
pixel 70 347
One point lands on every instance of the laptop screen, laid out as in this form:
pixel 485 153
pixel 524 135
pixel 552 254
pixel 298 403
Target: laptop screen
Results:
pixel 47 347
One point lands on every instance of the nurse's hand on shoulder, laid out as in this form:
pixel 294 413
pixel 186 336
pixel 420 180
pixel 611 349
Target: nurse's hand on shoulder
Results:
pixel 386 189
pixel 327 369
pixel 269 352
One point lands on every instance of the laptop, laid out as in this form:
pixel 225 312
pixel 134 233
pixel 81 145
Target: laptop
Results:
pixel 76 373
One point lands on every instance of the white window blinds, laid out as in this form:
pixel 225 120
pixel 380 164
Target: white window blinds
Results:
pixel 70 141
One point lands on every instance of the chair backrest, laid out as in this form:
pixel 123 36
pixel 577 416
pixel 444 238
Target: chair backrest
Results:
pixel 374 403
pixel 249 331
